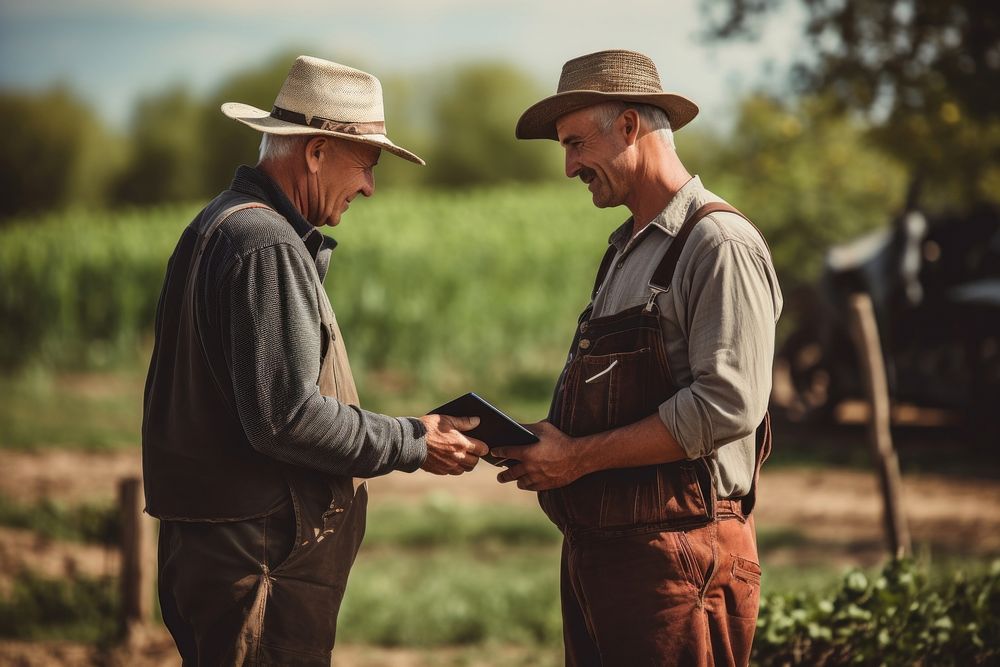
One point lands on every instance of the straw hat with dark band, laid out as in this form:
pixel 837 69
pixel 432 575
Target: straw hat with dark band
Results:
pixel 599 77
pixel 323 97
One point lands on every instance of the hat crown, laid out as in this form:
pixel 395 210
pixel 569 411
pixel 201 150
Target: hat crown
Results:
pixel 613 71
pixel 317 87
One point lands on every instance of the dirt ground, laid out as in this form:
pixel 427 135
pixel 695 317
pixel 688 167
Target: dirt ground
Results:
pixel 834 514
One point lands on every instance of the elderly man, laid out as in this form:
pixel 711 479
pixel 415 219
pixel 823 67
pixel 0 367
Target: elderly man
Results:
pixel 252 431
pixel 648 462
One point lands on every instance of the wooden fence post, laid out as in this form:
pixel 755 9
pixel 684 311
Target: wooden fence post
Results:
pixel 864 330
pixel 136 567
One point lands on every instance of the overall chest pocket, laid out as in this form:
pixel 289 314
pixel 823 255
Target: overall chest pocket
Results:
pixel 609 390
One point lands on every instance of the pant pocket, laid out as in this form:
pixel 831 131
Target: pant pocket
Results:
pixel 280 530
pixel 743 594
pixel 341 498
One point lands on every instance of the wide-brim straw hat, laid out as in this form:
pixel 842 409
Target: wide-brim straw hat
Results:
pixel 599 77
pixel 323 97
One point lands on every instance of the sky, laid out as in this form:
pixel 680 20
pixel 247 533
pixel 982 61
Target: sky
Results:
pixel 112 51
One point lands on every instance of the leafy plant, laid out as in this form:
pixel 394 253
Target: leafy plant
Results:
pixel 81 609
pixel 86 522
pixel 900 616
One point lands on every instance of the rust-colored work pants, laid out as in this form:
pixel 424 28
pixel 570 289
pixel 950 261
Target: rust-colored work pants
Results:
pixel 686 597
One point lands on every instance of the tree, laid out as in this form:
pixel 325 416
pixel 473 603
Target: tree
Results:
pixel 474 118
pixel 805 174
pixel 925 74
pixel 165 150
pixel 56 153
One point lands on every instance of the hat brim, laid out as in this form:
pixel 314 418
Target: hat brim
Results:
pixel 262 121
pixel 539 120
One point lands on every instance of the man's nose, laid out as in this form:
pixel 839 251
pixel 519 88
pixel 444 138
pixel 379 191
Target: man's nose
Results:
pixel 572 166
pixel 368 189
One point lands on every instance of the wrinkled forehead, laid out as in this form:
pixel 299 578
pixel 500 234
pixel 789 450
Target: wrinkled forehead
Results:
pixel 575 123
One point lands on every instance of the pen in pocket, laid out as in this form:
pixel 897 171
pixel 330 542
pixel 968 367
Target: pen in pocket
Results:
pixel 604 372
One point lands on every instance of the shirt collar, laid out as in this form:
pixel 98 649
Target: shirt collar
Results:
pixel 668 221
pixel 254 182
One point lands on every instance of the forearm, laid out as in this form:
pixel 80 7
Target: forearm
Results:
pixel 646 442
pixel 341 439
pixel 275 365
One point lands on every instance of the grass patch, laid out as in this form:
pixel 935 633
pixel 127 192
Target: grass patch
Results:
pixel 79 609
pixel 440 574
pixel 441 522
pixel 87 522
pixel 96 411
pixel 453 596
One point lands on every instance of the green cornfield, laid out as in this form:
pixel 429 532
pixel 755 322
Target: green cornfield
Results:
pixel 478 285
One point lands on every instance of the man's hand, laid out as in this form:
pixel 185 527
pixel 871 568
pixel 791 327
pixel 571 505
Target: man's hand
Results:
pixel 449 452
pixel 554 461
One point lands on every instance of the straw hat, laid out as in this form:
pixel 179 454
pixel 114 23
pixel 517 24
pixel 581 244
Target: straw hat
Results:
pixel 603 77
pixel 323 97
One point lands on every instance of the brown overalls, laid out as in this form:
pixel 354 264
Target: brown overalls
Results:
pixel 267 590
pixel 655 569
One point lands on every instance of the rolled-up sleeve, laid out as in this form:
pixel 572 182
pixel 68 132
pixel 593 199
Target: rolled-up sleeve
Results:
pixel 275 346
pixel 730 332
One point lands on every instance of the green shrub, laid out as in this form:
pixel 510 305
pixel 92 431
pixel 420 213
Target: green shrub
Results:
pixel 87 522
pixel 898 617
pixel 80 609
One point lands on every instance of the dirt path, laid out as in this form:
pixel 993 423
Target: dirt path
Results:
pixel 832 516
pixel 157 650
pixel 835 511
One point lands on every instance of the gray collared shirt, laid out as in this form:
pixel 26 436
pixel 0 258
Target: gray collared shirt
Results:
pixel 718 322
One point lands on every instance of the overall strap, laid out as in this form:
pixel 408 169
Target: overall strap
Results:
pixel 664 273
pixel 221 218
pixel 763 442
pixel 189 285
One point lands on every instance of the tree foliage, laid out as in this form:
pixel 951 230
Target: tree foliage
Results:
pixel 165 150
pixel 925 73
pixel 55 152
pixel 805 175
pixel 474 120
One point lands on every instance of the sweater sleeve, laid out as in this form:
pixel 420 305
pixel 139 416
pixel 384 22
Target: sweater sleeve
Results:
pixel 275 346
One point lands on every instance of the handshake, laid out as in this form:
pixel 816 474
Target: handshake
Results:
pixel 537 456
pixel 463 430
pixel 449 450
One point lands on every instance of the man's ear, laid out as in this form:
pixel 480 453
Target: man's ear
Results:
pixel 629 125
pixel 316 151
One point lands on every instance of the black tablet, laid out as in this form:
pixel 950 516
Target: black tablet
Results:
pixel 495 428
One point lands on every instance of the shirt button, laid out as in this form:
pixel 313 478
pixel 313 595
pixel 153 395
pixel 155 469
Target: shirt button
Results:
pixel 584 344
pixel 583 327
pixel 621 264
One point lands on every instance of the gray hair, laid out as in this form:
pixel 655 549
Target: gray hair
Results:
pixel 279 146
pixel 651 117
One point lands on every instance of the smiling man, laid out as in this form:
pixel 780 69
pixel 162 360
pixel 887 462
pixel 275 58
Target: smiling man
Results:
pixel 252 433
pixel 648 462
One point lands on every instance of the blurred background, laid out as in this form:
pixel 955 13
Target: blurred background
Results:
pixel 861 136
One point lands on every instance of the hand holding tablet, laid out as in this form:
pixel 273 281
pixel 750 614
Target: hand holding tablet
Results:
pixel 495 428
